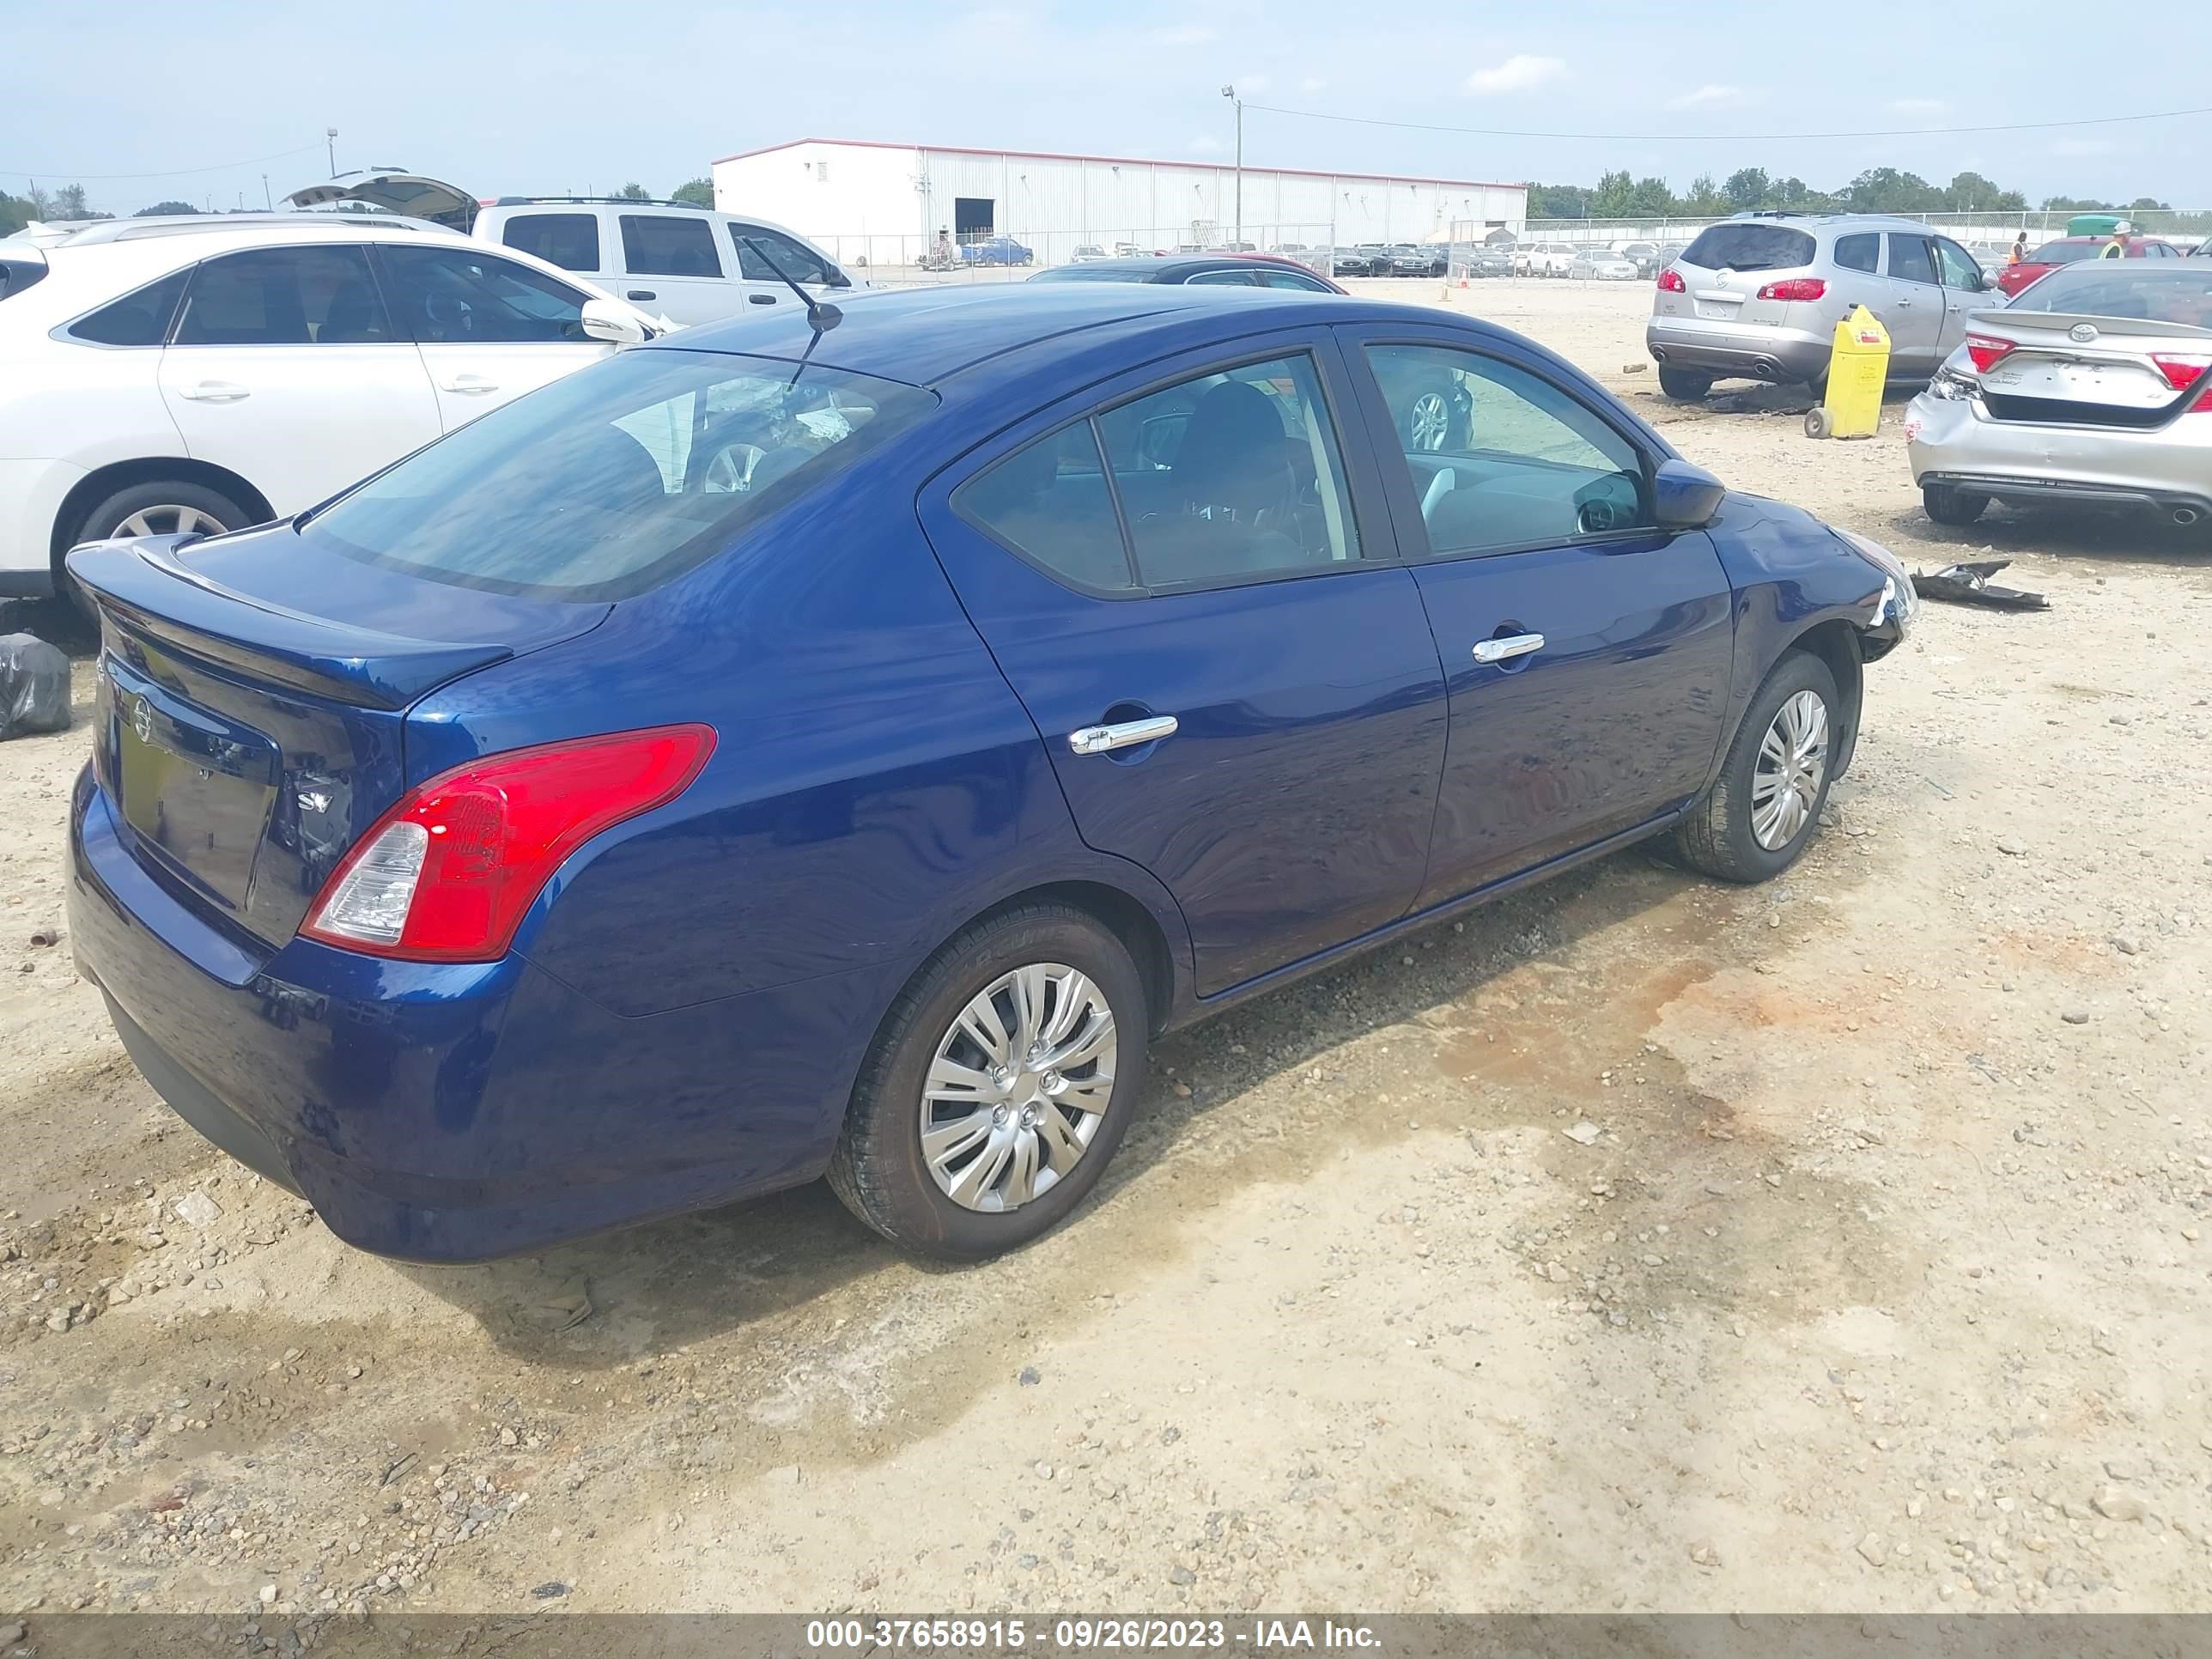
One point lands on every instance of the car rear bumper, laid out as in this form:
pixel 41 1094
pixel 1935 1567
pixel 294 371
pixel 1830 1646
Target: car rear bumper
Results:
pixel 453 1112
pixel 31 496
pixel 1737 349
pixel 1952 440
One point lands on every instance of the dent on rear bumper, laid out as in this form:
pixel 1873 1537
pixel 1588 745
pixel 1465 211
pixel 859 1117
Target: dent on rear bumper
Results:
pixel 1950 440
pixel 450 1112
pixel 1700 344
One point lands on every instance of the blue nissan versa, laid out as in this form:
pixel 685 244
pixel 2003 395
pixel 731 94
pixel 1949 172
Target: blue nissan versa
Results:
pixel 781 750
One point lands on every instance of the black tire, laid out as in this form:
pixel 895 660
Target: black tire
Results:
pixel 1714 837
pixel 879 1169
pixel 1684 385
pixel 1947 505
pixel 158 500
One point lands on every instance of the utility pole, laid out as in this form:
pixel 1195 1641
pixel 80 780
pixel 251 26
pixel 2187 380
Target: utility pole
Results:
pixel 267 200
pixel 1230 93
pixel 331 149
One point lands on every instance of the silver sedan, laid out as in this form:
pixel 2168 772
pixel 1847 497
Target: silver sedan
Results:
pixel 2095 384
pixel 1603 266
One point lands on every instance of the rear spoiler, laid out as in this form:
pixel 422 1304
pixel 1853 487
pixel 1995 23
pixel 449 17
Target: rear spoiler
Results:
pixel 2059 322
pixel 21 264
pixel 144 587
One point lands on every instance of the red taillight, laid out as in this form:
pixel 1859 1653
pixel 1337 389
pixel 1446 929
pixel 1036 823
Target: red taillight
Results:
pixel 1796 287
pixel 2181 373
pixel 1987 351
pixel 1670 281
pixel 446 875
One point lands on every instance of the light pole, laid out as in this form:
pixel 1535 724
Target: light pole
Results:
pixel 331 149
pixel 1230 93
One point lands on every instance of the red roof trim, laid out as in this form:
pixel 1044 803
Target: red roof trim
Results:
pixel 1121 160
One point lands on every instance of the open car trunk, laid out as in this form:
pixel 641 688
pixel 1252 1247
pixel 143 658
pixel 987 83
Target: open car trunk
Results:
pixel 395 192
pixel 247 737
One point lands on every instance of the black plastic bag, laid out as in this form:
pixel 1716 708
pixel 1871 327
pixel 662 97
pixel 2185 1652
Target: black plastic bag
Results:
pixel 35 686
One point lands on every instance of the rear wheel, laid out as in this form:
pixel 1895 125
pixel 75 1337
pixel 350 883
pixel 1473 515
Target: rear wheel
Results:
pixel 1763 808
pixel 1947 505
pixel 165 506
pixel 1684 385
pixel 1002 1082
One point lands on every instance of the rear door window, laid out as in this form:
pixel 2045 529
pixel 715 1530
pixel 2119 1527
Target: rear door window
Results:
pixel 1742 246
pixel 613 479
pixel 138 318
pixel 1910 260
pixel 1294 279
pixel 663 244
pixel 1861 251
pixel 284 296
pixel 1221 279
pixel 1957 267
pixel 570 241
pixel 456 295
pixel 1050 502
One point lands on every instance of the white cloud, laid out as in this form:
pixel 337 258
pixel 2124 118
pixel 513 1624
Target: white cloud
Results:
pixel 1207 144
pixel 1184 35
pixel 1518 73
pixel 1712 94
pixel 1919 106
pixel 1312 84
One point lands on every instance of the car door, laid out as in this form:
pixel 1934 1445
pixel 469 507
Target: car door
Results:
pixel 1964 285
pixel 1912 308
pixel 671 265
pixel 761 252
pixel 1231 671
pixel 285 367
pixel 489 329
pixel 1586 653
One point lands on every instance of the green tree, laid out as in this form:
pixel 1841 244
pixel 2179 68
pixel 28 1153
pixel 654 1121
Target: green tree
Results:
pixel 16 212
pixel 1560 201
pixel 1614 197
pixel 1706 199
pixel 1653 198
pixel 699 192
pixel 1747 188
pixel 69 203
pixel 633 192
pixel 165 208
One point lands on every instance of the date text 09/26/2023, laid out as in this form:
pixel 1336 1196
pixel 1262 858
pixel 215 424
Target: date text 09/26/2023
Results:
pixel 1083 1635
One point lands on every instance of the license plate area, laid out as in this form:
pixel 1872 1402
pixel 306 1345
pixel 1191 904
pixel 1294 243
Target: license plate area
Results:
pixel 195 787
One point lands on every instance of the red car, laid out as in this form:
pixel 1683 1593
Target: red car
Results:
pixel 2067 250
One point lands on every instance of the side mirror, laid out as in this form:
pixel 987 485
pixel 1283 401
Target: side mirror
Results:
pixel 602 319
pixel 1685 497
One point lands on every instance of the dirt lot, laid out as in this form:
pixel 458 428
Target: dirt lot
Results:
pixel 1882 1286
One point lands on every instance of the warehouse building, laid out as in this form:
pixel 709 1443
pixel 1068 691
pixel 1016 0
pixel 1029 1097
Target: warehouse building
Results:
pixel 884 203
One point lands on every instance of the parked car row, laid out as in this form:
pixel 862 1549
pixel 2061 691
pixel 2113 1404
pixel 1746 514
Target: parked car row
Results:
pixel 507 766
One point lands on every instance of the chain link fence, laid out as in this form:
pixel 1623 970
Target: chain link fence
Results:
pixel 892 260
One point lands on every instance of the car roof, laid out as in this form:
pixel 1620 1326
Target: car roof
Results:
pixel 248 228
pixel 1155 269
pixel 1809 221
pixel 927 337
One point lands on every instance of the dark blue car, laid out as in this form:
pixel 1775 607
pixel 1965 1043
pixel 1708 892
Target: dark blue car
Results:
pixel 771 753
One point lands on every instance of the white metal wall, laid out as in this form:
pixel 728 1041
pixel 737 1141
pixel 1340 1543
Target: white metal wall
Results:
pixel 886 203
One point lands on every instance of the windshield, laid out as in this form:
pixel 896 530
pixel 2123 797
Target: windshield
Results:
pixel 1750 248
pixel 1094 274
pixel 2132 287
pixel 616 478
pixel 2066 254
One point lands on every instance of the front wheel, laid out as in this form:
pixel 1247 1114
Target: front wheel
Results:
pixel 1764 807
pixel 1947 505
pixel 998 1088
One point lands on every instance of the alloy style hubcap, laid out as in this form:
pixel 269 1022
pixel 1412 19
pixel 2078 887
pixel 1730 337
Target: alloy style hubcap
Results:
pixel 1019 1087
pixel 1793 760
pixel 171 521
pixel 1428 421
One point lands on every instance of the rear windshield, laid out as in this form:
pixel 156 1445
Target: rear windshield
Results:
pixel 1094 274
pixel 2065 253
pixel 2116 288
pixel 619 477
pixel 1750 248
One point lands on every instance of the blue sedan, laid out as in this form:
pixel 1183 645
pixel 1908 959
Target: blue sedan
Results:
pixel 782 749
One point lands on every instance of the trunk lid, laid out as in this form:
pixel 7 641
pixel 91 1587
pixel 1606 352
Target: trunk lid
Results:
pixel 1725 268
pixel 2071 369
pixel 396 191
pixel 247 736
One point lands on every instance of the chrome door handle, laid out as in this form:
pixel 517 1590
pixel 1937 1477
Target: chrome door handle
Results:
pixel 1513 645
pixel 1123 734
pixel 1905 304
pixel 213 392
pixel 467 383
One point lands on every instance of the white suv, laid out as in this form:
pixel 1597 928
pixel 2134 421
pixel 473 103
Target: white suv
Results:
pixel 687 263
pixel 174 375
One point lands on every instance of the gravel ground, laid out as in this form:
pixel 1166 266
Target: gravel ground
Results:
pixel 1639 1243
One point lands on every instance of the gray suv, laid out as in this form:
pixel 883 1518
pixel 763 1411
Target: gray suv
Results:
pixel 1759 298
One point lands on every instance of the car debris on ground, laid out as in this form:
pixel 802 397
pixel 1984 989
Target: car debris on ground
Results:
pixel 1969 583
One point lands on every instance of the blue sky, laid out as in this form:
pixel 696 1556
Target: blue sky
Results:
pixel 559 95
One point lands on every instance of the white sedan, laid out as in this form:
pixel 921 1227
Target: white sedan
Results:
pixel 162 376
pixel 1603 266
